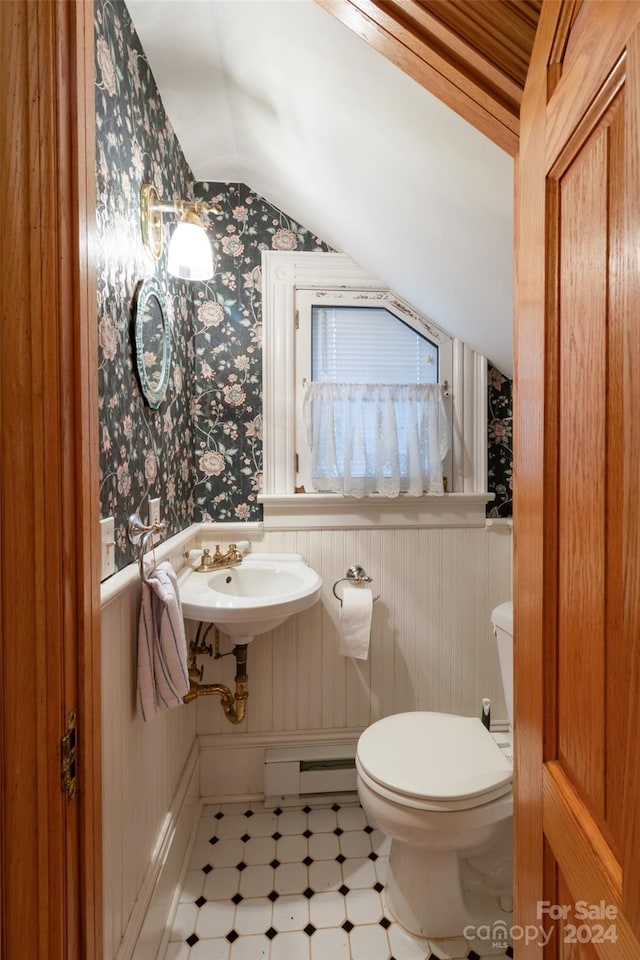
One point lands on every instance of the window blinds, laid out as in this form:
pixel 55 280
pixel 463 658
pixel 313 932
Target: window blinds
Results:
pixel 368 345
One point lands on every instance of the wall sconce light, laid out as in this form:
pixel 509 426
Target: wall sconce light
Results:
pixel 190 255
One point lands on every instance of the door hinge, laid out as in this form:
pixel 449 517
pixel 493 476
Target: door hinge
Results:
pixel 297 463
pixel 297 319
pixel 69 757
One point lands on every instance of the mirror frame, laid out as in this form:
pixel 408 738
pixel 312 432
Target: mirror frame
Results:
pixel 146 290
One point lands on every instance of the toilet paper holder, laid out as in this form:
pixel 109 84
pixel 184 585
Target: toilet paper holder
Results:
pixel 357 575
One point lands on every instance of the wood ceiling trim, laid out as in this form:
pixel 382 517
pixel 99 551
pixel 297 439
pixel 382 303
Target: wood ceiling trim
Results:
pixel 432 25
pixel 475 71
pixel 500 30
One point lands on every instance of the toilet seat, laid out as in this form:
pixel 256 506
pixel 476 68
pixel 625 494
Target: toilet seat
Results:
pixel 433 761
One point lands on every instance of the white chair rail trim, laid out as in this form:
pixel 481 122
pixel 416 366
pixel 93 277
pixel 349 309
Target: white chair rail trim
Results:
pixel 326 511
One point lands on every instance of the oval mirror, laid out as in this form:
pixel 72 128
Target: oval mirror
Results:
pixel 152 341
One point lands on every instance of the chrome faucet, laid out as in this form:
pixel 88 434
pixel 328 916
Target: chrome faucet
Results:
pixel 219 560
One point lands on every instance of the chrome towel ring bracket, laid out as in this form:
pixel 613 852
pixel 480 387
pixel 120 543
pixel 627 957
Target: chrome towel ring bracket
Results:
pixel 355 575
pixel 143 534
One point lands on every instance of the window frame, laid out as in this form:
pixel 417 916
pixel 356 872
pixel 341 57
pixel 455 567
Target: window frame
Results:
pixel 306 299
pixel 283 275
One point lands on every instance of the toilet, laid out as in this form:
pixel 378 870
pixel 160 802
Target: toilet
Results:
pixel 440 786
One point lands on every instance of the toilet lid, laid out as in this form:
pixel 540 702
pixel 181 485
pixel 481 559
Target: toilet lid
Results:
pixel 433 756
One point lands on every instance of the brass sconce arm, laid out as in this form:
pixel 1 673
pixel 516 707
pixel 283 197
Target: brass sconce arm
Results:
pixel 152 208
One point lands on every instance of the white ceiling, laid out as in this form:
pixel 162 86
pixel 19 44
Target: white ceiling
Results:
pixel 283 97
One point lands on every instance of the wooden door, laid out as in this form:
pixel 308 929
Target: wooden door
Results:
pixel 577 536
pixel 50 842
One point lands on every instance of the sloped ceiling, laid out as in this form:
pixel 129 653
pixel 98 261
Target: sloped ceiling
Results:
pixel 474 56
pixel 280 95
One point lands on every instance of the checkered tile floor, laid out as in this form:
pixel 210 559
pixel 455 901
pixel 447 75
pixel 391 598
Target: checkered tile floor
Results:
pixel 295 884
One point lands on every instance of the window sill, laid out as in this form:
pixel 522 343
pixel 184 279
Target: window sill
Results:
pixel 326 511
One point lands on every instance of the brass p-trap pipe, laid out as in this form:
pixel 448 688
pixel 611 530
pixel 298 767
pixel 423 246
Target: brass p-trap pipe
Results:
pixel 233 704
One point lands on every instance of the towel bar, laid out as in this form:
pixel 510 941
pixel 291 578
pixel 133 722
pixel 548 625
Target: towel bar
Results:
pixel 143 534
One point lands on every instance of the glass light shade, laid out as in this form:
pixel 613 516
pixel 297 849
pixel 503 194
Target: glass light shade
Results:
pixel 190 255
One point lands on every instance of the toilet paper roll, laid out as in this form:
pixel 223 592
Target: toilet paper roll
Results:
pixel 355 622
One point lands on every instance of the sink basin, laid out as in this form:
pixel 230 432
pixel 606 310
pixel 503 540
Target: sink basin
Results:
pixel 252 598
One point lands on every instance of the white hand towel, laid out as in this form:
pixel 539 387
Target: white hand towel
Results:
pixel 355 622
pixel 163 675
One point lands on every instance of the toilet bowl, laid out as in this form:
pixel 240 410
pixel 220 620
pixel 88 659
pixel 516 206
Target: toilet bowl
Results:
pixel 441 788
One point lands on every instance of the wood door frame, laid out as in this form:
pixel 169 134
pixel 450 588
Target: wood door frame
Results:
pixel 50 859
pixel 533 459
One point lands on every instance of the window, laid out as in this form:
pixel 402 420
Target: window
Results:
pixel 361 344
pixel 369 414
pixel 293 284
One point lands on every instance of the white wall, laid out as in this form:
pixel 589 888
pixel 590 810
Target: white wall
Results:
pixel 432 646
pixel 142 767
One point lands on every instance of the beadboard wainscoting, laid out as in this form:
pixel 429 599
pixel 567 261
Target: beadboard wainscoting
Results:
pixel 151 794
pixel 432 646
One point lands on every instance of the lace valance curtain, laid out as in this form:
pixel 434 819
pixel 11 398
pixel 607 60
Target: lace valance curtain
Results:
pixel 376 438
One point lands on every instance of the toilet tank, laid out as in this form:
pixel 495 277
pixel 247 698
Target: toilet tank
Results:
pixel 502 620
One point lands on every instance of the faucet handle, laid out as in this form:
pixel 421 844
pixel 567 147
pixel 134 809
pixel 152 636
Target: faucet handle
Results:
pixel 206 561
pixel 232 553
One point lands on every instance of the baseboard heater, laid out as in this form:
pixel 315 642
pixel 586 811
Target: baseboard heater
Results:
pixel 305 773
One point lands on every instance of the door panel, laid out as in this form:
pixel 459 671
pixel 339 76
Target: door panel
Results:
pixel 588 223
pixel 576 576
pixel 631 501
pixel 573 933
pixel 582 285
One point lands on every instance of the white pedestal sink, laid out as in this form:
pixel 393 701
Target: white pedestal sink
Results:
pixel 252 598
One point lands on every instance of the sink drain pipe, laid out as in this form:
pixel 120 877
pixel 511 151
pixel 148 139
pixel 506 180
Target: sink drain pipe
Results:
pixel 233 704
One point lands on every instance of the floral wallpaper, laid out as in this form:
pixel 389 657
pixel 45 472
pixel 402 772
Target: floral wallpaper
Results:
pixel 201 450
pixel 227 398
pixel 500 455
pixel 226 402
pixel 144 453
